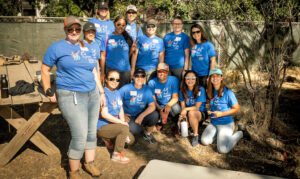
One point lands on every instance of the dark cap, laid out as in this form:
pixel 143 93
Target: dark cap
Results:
pixel 70 20
pixel 139 71
pixel 152 22
pixel 89 26
pixel 102 5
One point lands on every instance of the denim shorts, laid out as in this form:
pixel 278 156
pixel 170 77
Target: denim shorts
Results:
pixel 81 111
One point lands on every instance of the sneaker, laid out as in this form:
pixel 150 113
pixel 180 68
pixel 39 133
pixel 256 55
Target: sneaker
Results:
pixel 74 175
pixel 119 157
pixel 150 138
pixel 92 169
pixel 195 140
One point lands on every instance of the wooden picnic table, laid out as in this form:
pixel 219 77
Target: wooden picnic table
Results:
pixel 26 129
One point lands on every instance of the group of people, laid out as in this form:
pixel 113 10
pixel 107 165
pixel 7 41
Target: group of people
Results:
pixel 120 81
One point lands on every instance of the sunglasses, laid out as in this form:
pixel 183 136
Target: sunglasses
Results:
pixel 131 12
pixel 150 26
pixel 71 30
pixel 190 78
pixel 196 32
pixel 162 71
pixel 121 25
pixel 114 79
pixel 140 76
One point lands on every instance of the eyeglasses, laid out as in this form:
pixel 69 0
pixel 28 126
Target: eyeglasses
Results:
pixel 121 25
pixel 196 32
pixel 150 26
pixel 114 79
pixel 190 78
pixel 139 76
pixel 131 12
pixel 71 30
pixel 163 71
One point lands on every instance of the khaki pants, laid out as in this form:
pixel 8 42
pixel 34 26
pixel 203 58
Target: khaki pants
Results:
pixel 119 132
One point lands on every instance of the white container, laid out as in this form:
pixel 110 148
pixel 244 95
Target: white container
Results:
pixel 184 129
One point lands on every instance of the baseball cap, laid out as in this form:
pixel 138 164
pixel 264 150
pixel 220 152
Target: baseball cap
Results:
pixel 163 66
pixel 139 71
pixel 89 26
pixel 102 5
pixel 152 22
pixel 215 71
pixel 131 7
pixel 70 20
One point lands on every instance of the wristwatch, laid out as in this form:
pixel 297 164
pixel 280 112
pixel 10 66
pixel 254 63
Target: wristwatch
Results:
pixel 49 92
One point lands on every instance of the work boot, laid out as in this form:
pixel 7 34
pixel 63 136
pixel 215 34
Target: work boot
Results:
pixel 92 169
pixel 74 174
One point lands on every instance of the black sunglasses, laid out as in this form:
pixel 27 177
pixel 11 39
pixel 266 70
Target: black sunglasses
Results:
pixel 140 76
pixel 196 32
pixel 71 30
pixel 151 26
pixel 131 12
pixel 114 79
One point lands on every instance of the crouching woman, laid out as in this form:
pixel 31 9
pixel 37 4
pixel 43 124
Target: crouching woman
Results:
pixel 223 104
pixel 112 124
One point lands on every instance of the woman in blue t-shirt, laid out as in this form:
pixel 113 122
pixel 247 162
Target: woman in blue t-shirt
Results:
pixel 203 54
pixel 112 124
pixel 223 104
pixel 192 100
pixel 118 51
pixel 77 93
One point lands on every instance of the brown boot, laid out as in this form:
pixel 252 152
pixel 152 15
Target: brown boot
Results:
pixel 74 175
pixel 92 169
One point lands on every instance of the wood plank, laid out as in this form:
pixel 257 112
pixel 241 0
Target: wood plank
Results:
pixel 4 101
pixel 32 68
pixel 19 72
pixel 24 134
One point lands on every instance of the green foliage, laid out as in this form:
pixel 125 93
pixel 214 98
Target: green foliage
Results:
pixel 61 8
pixel 9 8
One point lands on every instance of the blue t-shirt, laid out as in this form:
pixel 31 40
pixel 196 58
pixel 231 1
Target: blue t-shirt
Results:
pixel 164 91
pixel 191 101
pixel 94 47
pixel 149 50
pixel 200 55
pixel 133 31
pixel 103 30
pixel 222 104
pixel 74 66
pixel 175 45
pixel 135 101
pixel 113 103
pixel 117 53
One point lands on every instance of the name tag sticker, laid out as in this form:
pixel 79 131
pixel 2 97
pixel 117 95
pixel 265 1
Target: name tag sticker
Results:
pixel 157 91
pixel 111 41
pixel 155 41
pixel 133 93
pixel 177 39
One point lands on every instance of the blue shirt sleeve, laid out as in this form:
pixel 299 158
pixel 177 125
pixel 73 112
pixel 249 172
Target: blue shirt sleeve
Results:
pixel 186 44
pixel 149 96
pixel 181 97
pixel 211 50
pixel 201 96
pixel 161 45
pixel 231 98
pixel 50 56
pixel 175 85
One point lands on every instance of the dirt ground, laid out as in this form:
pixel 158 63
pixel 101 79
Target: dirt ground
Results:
pixel 247 156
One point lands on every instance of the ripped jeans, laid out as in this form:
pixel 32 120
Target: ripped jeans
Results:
pixel 81 111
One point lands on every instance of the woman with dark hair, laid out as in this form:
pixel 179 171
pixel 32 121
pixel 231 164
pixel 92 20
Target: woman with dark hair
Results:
pixel 118 51
pixel 112 124
pixel 192 100
pixel 223 104
pixel 203 54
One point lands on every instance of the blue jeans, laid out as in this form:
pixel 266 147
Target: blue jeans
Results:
pixel 81 110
